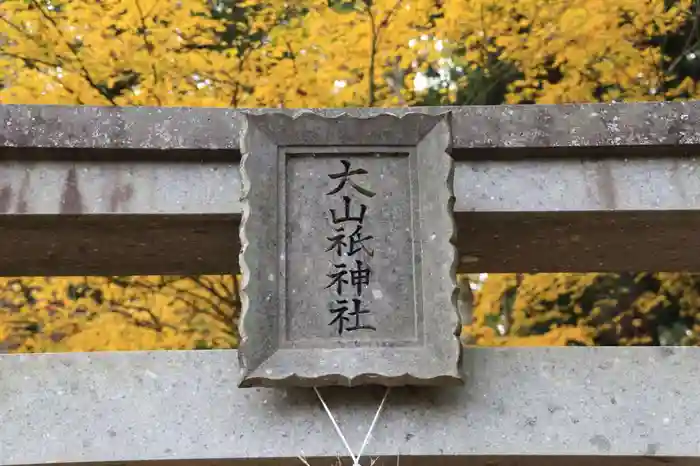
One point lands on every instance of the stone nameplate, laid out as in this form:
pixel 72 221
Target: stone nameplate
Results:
pixel 347 251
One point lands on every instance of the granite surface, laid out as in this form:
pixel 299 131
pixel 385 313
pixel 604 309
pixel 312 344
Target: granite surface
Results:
pixel 668 124
pixel 519 404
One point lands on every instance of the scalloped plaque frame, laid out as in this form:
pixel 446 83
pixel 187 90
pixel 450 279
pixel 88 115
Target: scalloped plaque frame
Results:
pixel 347 251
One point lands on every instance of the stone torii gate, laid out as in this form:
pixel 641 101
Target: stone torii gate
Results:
pixel 117 191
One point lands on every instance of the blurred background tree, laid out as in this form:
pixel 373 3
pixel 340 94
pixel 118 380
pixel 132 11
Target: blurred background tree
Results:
pixel 335 53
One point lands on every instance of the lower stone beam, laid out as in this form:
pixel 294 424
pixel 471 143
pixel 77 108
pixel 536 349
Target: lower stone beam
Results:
pixel 585 406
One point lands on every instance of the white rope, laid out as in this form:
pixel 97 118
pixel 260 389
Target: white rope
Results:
pixel 337 428
pixel 355 460
pixel 374 422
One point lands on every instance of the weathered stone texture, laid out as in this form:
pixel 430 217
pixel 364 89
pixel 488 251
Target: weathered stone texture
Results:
pixel 670 124
pixel 348 281
pixel 525 405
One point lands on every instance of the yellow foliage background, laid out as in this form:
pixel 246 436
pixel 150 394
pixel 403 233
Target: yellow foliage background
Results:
pixel 335 53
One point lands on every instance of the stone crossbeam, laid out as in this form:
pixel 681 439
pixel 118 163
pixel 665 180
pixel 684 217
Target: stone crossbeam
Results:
pixel 86 190
pixel 500 129
pixel 528 406
pixel 538 188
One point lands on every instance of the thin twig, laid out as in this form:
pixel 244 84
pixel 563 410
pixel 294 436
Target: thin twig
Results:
pixel 149 49
pixel 18 29
pixel 687 47
pixel 209 287
pixel 29 60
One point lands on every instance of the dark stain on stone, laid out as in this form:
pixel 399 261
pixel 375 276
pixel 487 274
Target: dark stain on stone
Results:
pixel 678 176
pixel 667 351
pixel 409 436
pixel 601 443
pixel 5 197
pixel 675 131
pixel 120 196
pixel 71 200
pixel 605 365
pixel 652 449
pixel 543 127
pixel 111 433
pixel 22 204
pixel 606 185
pixel 7 132
pixel 500 408
pixel 553 408
pixel 613 400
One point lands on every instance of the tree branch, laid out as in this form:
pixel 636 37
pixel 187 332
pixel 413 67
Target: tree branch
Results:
pixel 372 54
pixel 30 60
pixel 149 48
pixel 86 73
pixel 688 46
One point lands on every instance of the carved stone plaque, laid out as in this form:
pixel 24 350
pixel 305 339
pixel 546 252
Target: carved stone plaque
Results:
pixel 347 251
